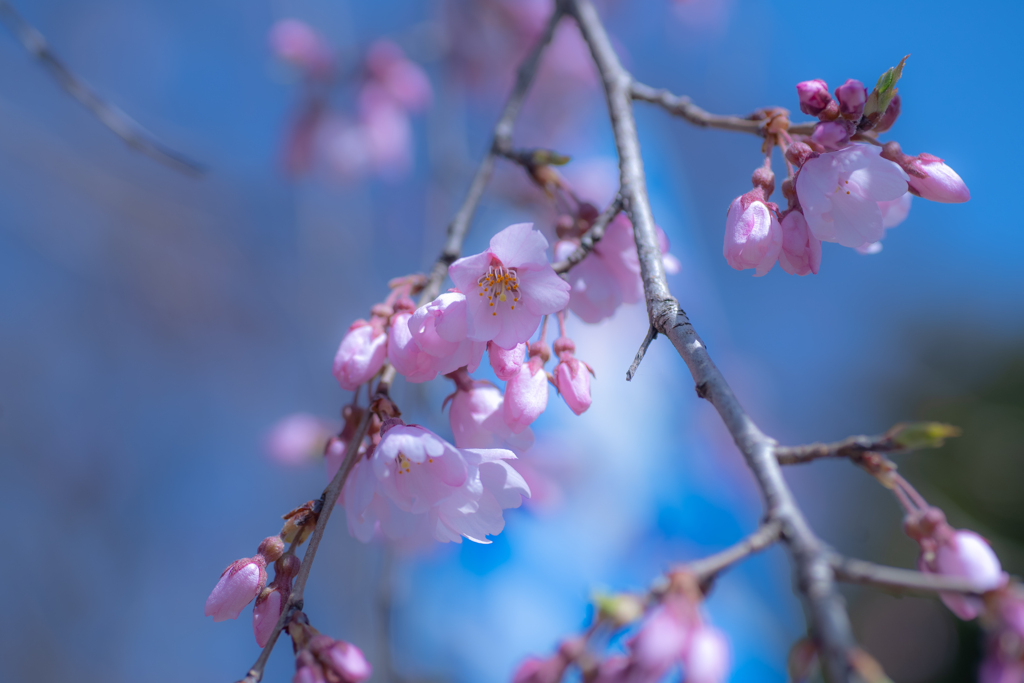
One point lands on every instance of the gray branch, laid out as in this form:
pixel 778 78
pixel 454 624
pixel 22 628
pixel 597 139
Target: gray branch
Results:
pixel 124 126
pixel 814 576
pixel 899 580
pixel 852 447
pixel 688 111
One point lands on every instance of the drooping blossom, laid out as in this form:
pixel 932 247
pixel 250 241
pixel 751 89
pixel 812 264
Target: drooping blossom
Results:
pixel 1004 643
pixel 361 354
pixel 526 395
pixel 477 419
pixel 509 287
pixel 405 355
pixel 839 193
pixel 753 235
pixel 417 484
pixel 321 659
pixel 505 362
pixel 297 438
pixel 242 581
pixel 572 376
pixel 801 251
pixel 439 329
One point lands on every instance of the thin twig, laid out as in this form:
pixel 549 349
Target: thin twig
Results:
pixel 113 118
pixel 651 335
pixel 457 230
pixel 687 110
pixel 899 580
pixel 851 447
pixel 590 238
pixel 814 576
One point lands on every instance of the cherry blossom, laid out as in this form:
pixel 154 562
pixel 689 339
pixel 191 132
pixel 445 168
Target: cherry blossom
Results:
pixel 572 376
pixel 801 251
pixel 839 194
pixel 505 362
pixel 239 584
pixel 509 287
pixel 439 329
pixel 297 438
pixel 412 362
pixel 940 184
pixel 526 395
pixel 477 419
pixel 753 236
pixel 966 554
pixel 361 354
pixel 814 96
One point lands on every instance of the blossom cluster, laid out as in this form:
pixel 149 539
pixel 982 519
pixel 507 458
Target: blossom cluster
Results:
pixel 843 185
pixel 377 140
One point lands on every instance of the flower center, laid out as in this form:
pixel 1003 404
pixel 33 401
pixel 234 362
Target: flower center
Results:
pixel 499 284
pixel 842 185
pixel 404 464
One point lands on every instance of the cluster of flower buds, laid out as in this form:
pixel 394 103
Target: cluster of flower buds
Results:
pixel 242 581
pixel 321 659
pixel 378 140
pixel 843 186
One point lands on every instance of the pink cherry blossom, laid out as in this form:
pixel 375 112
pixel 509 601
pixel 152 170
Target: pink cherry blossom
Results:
pixel 526 395
pixel 360 355
pixel 297 438
pixel 707 656
pixel 439 329
pixel 895 211
pixel 405 81
pixel 239 584
pixel 572 379
pixel 418 485
pixel 347 661
pixel 753 236
pixel 509 287
pixel 869 249
pixel 801 251
pixel 505 362
pixel 814 96
pixel 965 554
pixel 662 640
pixel 839 194
pixel 941 184
pixel 477 420
pixel 833 135
pixel 405 355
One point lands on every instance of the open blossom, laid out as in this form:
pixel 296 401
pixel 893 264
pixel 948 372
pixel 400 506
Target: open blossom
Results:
pixel 801 251
pixel 417 484
pixel 753 236
pixel 439 329
pixel 360 355
pixel 895 211
pixel 839 193
pixel 526 395
pixel 509 287
pixel 477 420
pixel 405 355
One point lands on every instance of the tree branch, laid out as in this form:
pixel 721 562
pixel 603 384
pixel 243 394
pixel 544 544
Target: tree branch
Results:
pixel 851 447
pixel 109 115
pixel 457 230
pixel 899 580
pixel 590 237
pixel 813 572
pixel 687 110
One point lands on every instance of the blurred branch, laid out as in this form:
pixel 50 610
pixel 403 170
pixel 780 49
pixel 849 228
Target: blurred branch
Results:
pixel 707 569
pixel 590 237
pixel 684 108
pixel 852 447
pixel 113 118
pixel 813 572
pixel 457 230
pixel 899 580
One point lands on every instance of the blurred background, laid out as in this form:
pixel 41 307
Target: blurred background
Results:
pixel 154 327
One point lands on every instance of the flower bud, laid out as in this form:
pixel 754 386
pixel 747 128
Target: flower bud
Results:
pixel 814 96
pixel 940 184
pixel 572 379
pixel 833 135
pixel 852 95
pixel 348 662
pixel 892 112
pixel 526 395
pixel 271 548
pixel 797 153
pixel 360 355
pixel 801 251
pixel 753 236
pixel 242 581
pixel 505 362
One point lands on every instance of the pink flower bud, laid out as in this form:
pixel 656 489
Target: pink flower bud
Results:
pixel 814 96
pixel 347 661
pixel 297 438
pixel 360 355
pixel 753 236
pixel 526 395
pixel 833 135
pixel 801 251
pixel 271 548
pixel 505 362
pixel 265 615
pixel 707 656
pixel 239 584
pixel 965 554
pixel 892 112
pixel 852 95
pixel 661 642
pixel 940 184
pixel 572 379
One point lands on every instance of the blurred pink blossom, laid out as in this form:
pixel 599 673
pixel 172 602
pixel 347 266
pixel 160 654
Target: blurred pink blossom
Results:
pixel 298 438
